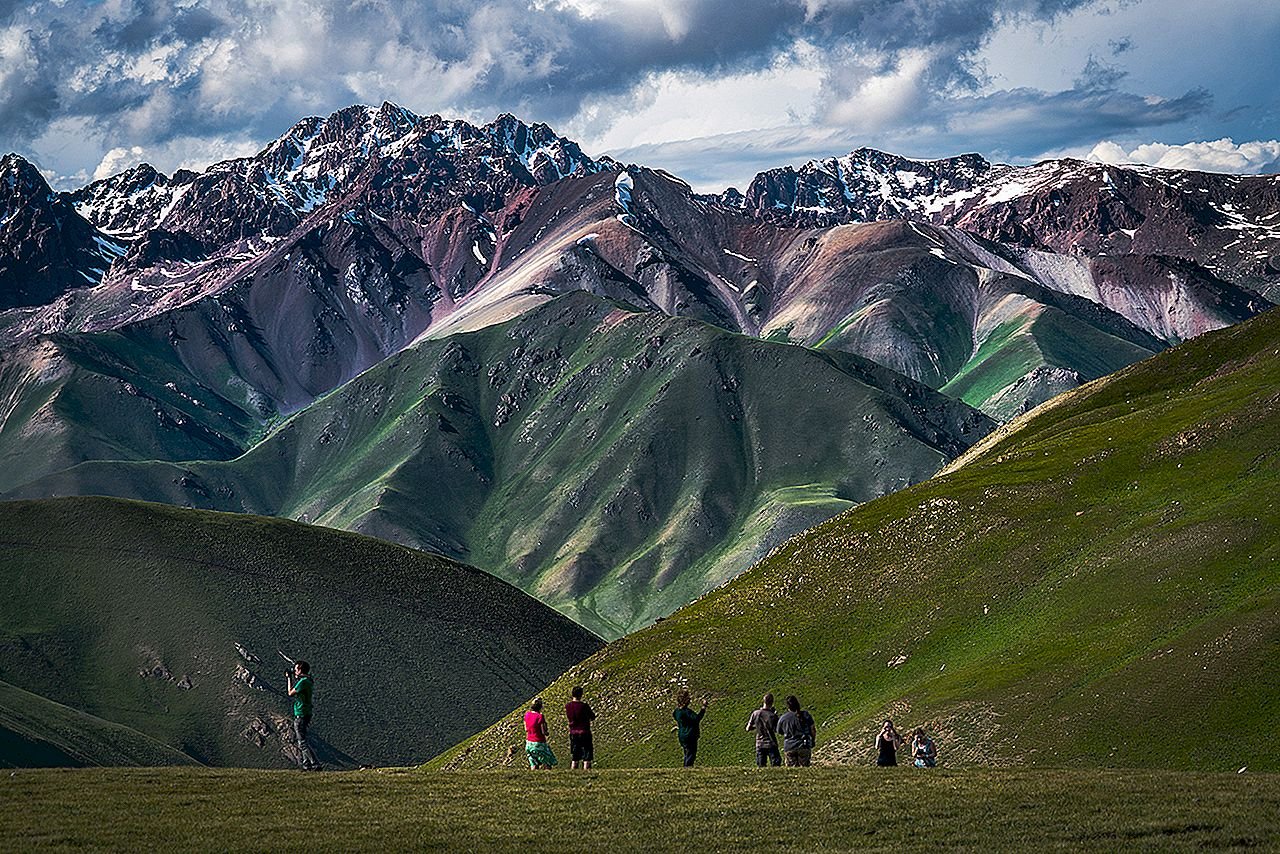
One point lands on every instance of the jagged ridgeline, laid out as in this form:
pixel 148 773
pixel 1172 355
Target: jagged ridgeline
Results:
pixel 579 375
pixel 1096 585
pixel 136 633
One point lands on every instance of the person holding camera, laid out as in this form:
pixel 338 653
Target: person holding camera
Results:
pixel 688 726
pixel 301 692
pixel 923 750
pixel 887 744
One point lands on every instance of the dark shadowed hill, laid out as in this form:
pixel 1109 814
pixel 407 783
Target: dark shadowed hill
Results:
pixel 1097 584
pixel 157 635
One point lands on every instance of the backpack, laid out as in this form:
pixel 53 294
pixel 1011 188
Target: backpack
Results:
pixel 806 720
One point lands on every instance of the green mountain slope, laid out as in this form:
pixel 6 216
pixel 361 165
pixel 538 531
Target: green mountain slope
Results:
pixel 35 732
pixel 70 398
pixel 616 464
pixel 1096 584
pixel 172 623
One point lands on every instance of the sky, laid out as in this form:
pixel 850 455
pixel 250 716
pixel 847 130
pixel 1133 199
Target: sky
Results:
pixel 711 90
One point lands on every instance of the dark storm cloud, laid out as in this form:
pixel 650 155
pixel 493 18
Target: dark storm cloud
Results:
pixel 142 71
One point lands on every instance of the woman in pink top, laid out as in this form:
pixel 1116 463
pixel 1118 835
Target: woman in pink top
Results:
pixel 535 738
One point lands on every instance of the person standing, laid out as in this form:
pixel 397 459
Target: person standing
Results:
pixel 580 716
pixel 764 723
pixel 301 692
pixel 535 738
pixel 887 744
pixel 799 734
pixel 688 727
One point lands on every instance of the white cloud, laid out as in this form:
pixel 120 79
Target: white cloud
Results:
pixel 186 152
pixel 117 160
pixel 1219 155
pixel 674 105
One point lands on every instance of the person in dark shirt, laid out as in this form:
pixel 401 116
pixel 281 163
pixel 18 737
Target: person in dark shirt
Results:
pixel 688 727
pixel 580 717
pixel 301 691
pixel 764 723
pixel 887 744
pixel 799 734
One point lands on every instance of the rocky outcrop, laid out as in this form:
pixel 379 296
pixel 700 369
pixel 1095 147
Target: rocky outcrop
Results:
pixel 46 248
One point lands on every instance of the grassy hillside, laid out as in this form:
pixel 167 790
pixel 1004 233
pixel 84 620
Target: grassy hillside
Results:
pixel 819 809
pixel 35 732
pixel 71 398
pixel 614 463
pixel 171 623
pixel 1098 585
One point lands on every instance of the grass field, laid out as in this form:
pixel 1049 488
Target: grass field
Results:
pixel 817 809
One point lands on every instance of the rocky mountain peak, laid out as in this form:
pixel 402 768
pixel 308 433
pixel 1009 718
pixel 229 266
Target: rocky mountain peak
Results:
pixel 48 247
pixel 21 180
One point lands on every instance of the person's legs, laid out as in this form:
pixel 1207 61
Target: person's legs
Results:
pixel 690 752
pixel 774 756
pixel 305 757
pixel 762 757
pixel 805 756
pixel 793 759
pixel 588 751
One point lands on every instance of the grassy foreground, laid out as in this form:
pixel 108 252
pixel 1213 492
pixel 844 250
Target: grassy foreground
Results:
pixel 632 810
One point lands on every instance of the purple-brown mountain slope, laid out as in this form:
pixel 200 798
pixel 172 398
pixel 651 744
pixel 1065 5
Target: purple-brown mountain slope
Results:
pixel 1227 224
pixel 273 279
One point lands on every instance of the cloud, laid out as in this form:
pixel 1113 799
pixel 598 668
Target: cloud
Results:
pixel 1220 155
pixel 894 110
pixel 145 72
pixel 82 79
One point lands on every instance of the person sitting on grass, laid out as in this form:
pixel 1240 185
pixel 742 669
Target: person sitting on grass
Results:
pixel 764 723
pixel 923 749
pixel 887 744
pixel 688 727
pixel 799 734
pixel 580 716
pixel 301 691
pixel 535 738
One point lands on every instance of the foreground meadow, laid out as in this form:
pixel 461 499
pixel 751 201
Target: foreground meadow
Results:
pixel 818 809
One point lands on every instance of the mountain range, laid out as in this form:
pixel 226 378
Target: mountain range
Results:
pixel 576 374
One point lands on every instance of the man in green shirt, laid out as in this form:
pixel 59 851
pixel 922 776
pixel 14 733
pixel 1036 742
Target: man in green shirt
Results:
pixel 688 727
pixel 300 691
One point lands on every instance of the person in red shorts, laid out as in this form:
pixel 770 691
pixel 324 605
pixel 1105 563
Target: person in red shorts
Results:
pixel 580 717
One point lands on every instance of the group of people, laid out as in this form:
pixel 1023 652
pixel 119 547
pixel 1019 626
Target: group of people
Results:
pixel 924 753
pixel 800 734
pixel 581 750
pixel 796 726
